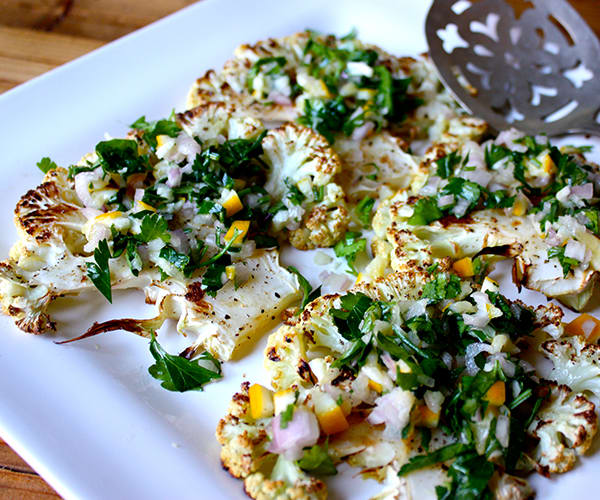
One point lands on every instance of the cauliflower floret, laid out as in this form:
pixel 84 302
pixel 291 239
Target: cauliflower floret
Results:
pixel 287 482
pixel 565 425
pixel 376 161
pixel 519 237
pixel 323 227
pixel 244 441
pixel 302 168
pixel 300 156
pixel 213 123
pixel 49 259
pixel 292 345
pixel 576 364
pixel 245 455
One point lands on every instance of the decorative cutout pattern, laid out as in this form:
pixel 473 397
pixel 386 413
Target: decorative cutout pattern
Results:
pixel 538 71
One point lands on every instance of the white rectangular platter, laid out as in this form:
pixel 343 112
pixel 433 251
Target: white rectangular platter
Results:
pixel 87 415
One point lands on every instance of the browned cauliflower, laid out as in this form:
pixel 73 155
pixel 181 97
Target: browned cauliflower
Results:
pixel 286 482
pixel 576 364
pixel 301 177
pixel 244 441
pixel 565 426
pixel 245 455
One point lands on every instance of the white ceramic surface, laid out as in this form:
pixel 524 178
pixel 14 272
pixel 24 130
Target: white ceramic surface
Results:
pixel 87 415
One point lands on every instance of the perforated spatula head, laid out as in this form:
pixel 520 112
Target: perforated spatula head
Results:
pixel 539 72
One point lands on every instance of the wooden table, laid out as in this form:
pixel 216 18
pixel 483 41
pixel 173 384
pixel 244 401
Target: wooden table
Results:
pixel 38 35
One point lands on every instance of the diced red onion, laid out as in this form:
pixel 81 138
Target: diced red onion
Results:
pixel 575 250
pixel 481 317
pixel 431 187
pixel 82 182
pixel 301 431
pixel 390 365
pixel 179 241
pixel 334 282
pixel 139 194
pixel 472 351
pixel 248 248
pixel 502 430
pixel 563 194
pixel 583 191
pixel 552 238
pixel 507 366
pixel 478 176
pixel 434 400
pixel 447 359
pixel 508 138
pixel 174 176
pixel 444 201
pixel 187 146
pixel 363 131
pixel 279 98
pixel 393 410
pixel 460 208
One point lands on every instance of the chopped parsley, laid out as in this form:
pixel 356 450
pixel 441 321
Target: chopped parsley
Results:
pixel 99 272
pixel 364 210
pixel 286 416
pixel 316 460
pixel 349 247
pixel 274 66
pixel 180 374
pixel 442 287
pixel 46 164
pixel 567 263
pixel 120 156
pixel 150 130
pixel 447 164
pixel 308 294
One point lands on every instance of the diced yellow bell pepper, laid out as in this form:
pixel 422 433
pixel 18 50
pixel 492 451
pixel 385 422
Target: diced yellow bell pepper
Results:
pixel 496 395
pixel 333 421
pixel 160 140
pixel 520 207
pixel 425 417
pixel 329 414
pixel 283 398
pixel 240 225
pixel 145 206
pixel 233 204
pixel 548 165
pixel 108 215
pixel 585 325
pixel 230 272
pixel 464 267
pixel 261 401
pixel 376 386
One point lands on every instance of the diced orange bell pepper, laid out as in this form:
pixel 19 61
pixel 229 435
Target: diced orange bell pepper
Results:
pixel 240 225
pixel 464 267
pixel 496 395
pixel 261 401
pixel 585 325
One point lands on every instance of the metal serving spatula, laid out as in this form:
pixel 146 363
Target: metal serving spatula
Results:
pixel 538 72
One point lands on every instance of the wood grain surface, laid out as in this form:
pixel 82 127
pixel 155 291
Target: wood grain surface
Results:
pixel 38 35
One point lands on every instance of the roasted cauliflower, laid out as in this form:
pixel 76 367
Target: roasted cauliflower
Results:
pixel 575 364
pixel 565 426
pixel 486 198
